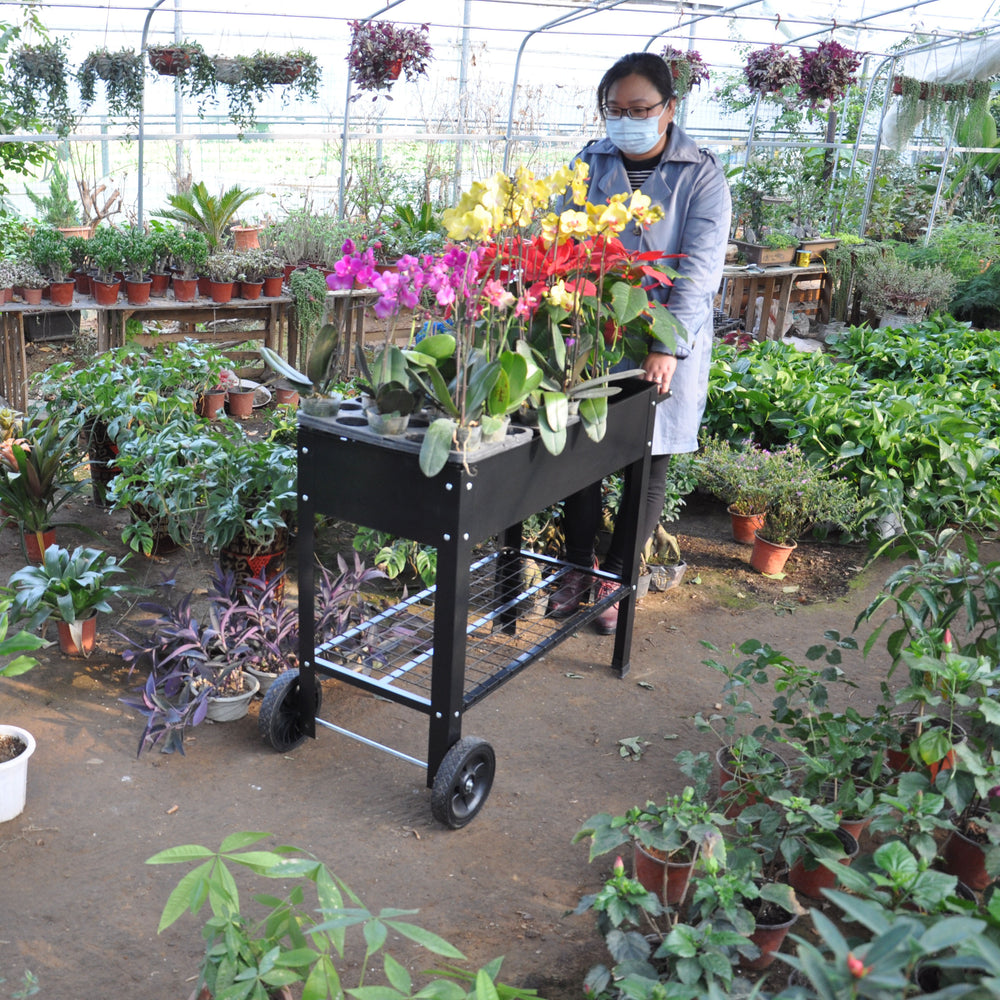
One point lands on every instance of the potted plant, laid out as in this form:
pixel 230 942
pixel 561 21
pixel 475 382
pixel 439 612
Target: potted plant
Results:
pixel 803 494
pixel 108 252
pixel 122 73
pixel 688 69
pixel 188 256
pixel 209 214
pixel 251 500
pixel 249 79
pixel 189 63
pixel 667 837
pixel 739 475
pixel 31 281
pixel 826 72
pixel 771 70
pixel 38 84
pixel 223 269
pixel 660 562
pixel 50 253
pixel 316 384
pixel 393 393
pixel 137 256
pixel 75 586
pixel 380 51
pixel 16 744
pixel 36 476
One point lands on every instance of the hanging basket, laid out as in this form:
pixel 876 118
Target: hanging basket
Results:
pixel 169 60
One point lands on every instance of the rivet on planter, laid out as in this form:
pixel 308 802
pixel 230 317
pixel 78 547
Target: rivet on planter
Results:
pixel 305 496
pixel 305 450
pixel 447 537
pixel 449 486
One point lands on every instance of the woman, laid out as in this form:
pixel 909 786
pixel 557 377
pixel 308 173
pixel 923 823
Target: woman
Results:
pixel 644 150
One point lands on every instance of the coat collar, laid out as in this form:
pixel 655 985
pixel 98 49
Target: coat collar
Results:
pixel 607 170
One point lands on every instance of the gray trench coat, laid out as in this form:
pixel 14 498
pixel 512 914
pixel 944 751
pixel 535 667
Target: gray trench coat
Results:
pixel 691 187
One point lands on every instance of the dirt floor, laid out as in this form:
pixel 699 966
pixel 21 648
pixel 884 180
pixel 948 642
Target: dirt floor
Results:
pixel 79 907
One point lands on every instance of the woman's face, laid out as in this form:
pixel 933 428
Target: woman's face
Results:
pixel 635 91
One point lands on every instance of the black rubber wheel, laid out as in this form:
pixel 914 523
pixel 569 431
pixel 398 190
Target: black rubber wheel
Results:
pixel 279 720
pixel 463 782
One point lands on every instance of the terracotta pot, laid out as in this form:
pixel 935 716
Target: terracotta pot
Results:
pixel 393 69
pixel 209 404
pixel 84 232
pixel 812 881
pixel 285 397
pixel 168 61
pixel 185 289
pixel 137 292
pixel 6 295
pixel 769 939
pixel 36 542
pixel 744 526
pixel 251 289
pixel 221 292
pixel 239 403
pixel 204 286
pixel 105 292
pixel 82 280
pixel 32 296
pixel 78 639
pixel 245 237
pixel 61 292
pixel 159 286
pixel 657 874
pixel 769 557
pixel 964 857
pixel 272 287
pixel 855 827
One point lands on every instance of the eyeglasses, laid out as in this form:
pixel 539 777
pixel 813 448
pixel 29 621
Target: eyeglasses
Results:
pixel 636 114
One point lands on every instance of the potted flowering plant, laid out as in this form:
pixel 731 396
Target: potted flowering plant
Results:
pixel 380 51
pixel 573 301
pixel 688 68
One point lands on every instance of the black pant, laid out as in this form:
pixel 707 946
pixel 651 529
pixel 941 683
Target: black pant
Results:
pixel 582 518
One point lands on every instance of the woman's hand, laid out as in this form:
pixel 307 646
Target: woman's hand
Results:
pixel 659 368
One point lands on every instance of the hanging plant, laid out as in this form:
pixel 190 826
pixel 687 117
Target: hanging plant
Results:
pixel 771 70
pixel 37 85
pixel 381 51
pixel 250 78
pixel 827 71
pixel 935 104
pixel 187 61
pixel 688 68
pixel 122 74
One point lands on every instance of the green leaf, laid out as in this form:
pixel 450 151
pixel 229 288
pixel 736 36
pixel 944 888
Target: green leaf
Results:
pixel 436 446
pixel 397 975
pixel 426 939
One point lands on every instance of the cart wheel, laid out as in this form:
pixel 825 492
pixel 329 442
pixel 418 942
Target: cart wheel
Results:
pixel 463 782
pixel 279 721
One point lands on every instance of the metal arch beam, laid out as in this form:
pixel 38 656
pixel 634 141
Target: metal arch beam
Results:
pixel 695 19
pixel 567 18
pixel 142 110
pixel 347 117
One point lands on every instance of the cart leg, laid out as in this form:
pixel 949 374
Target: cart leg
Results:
pixel 636 477
pixel 508 576
pixel 451 604
pixel 307 699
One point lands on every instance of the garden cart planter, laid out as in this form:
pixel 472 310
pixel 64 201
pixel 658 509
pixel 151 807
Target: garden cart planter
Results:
pixel 444 649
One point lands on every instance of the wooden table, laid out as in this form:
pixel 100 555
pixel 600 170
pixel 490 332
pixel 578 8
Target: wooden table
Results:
pixel 741 287
pixel 269 320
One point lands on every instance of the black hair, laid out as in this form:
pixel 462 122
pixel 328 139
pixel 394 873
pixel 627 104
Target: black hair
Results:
pixel 644 64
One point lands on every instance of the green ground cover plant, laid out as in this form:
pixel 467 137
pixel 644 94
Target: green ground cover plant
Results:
pixel 909 415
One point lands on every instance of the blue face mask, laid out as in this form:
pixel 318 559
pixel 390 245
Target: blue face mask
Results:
pixel 633 137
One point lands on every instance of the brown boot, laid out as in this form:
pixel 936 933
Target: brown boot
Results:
pixel 575 587
pixel 607 621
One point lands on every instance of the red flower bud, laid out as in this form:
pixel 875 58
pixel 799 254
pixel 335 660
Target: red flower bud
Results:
pixel 856 967
pixel 619 868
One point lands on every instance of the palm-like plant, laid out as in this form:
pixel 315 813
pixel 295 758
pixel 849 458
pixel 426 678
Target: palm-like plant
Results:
pixel 207 213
